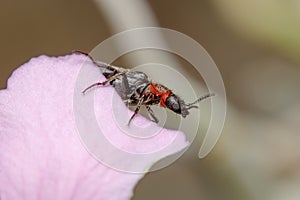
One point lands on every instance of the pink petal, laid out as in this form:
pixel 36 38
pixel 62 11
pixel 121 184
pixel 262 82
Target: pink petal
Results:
pixel 42 156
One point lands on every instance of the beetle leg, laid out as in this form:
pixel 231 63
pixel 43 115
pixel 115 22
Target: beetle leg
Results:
pixel 136 111
pixel 96 62
pixel 151 114
pixel 104 82
pixel 81 52
pixel 86 54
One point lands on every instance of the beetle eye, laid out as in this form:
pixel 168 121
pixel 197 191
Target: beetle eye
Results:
pixel 172 102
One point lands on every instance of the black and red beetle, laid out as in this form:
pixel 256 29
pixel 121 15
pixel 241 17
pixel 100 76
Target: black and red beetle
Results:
pixel 136 89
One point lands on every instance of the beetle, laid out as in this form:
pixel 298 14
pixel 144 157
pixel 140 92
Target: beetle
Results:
pixel 136 89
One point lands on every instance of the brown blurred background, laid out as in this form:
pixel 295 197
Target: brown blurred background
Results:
pixel 256 46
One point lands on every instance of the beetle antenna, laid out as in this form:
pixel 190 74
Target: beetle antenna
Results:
pixel 200 99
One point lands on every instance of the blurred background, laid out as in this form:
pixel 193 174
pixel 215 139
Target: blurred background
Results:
pixel 256 46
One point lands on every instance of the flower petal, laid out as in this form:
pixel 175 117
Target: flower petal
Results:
pixel 41 154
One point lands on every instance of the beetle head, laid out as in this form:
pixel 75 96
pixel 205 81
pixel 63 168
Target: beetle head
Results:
pixel 173 103
pixel 178 106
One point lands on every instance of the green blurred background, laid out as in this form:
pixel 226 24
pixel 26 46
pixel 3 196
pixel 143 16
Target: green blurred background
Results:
pixel 255 44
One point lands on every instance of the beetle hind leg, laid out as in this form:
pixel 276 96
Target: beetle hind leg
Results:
pixel 93 85
pixel 104 82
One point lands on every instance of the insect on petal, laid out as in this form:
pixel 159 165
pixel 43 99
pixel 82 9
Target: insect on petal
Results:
pixel 41 154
